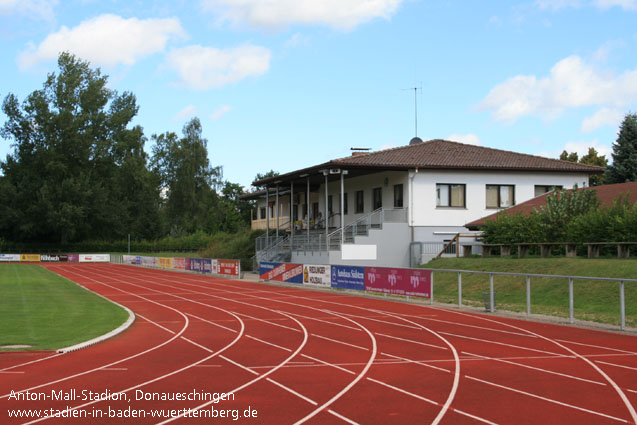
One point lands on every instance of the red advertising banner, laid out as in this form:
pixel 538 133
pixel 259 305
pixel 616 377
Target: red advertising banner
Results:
pixel 179 263
pixel 409 282
pixel 229 267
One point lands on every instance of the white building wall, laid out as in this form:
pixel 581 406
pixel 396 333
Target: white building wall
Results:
pixel 426 213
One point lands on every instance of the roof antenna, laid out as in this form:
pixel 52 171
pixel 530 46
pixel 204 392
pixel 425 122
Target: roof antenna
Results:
pixel 416 139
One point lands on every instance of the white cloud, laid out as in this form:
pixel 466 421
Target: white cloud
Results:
pixel 107 40
pixel 38 9
pixel 470 139
pixel 340 14
pixel 219 112
pixel 601 118
pixel 557 4
pixel 571 83
pixel 624 4
pixel 296 40
pixel 203 68
pixel 186 113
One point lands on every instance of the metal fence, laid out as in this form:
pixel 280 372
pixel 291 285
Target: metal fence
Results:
pixel 490 301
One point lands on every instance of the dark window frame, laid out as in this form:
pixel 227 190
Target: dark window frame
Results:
pixel 360 202
pixel 449 185
pixel 377 198
pixel 500 206
pixel 399 195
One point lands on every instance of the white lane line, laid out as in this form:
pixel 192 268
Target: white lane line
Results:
pixel 520 347
pixel 400 390
pixel 269 343
pixel 196 344
pixel 536 368
pixel 291 391
pixel 325 321
pixel 212 323
pixel 341 342
pixel 616 365
pixel 8 372
pixel 596 346
pixel 30 362
pixel 328 364
pixel 412 341
pixel 418 362
pixel 115 368
pixel 360 376
pixel 338 415
pixel 550 400
pixel 259 377
pixel 155 323
pixel 256 318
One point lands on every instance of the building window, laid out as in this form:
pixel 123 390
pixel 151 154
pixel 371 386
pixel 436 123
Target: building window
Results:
pixel 541 189
pixel 398 196
pixel 345 203
pixel 329 205
pixel 262 213
pixel 360 202
pixel 450 195
pixel 500 195
pixel 378 198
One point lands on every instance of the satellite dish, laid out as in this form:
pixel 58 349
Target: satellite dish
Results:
pixel 415 141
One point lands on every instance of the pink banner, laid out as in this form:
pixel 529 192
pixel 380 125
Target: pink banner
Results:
pixel 179 263
pixel 409 282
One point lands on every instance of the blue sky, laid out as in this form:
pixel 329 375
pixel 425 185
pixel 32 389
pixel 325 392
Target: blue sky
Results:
pixel 285 84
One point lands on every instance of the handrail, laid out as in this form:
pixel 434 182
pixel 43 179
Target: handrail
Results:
pixel 355 222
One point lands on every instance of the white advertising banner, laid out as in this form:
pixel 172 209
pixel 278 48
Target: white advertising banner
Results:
pixel 317 275
pixel 95 258
pixel 215 266
pixel 149 261
pixel 9 257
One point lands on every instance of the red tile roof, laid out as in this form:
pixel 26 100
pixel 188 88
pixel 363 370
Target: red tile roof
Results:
pixel 441 154
pixel 606 195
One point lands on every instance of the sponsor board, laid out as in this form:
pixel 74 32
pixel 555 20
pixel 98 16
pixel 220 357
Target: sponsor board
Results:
pixel 279 272
pixel 318 275
pixel 179 263
pixel 129 259
pixel 148 261
pixel 74 258
pixel 165 262
pixel 201 265
pixel 228 267
pixel 95 258
pixel 396 281
pixel 52 258
pixel 348 277
pixel 33 258
pixel 9 257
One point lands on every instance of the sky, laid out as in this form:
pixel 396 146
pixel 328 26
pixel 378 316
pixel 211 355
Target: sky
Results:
pixel 286 84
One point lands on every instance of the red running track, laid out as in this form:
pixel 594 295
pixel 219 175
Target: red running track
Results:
pixel 291 356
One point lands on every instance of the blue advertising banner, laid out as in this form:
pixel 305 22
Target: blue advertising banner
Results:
pixel 206 265
pixel 196 265
pixel 281 272
pixel 348 277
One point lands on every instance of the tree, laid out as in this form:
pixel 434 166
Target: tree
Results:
pixel 624 168
pixel 186 178
pixel 74 153
pixel 591 158
pixel 261 176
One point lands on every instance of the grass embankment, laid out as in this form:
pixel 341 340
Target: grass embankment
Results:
pixel 45 311
pixel 594 300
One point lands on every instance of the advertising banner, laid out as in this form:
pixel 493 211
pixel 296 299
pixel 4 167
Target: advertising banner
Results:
pixel 165 262
pixel 201 265
pixel 50 258
pixel 74 258
pixel 281 272
pixel 215 266
pixel 187 265
pixel 148 261
pixel 398 281
pixel 179 263
pixel 34 258
pixel 348 277
pixel 9 257
pixel 129 259
pixel 228 267
pixel 95 258
pixel 317 275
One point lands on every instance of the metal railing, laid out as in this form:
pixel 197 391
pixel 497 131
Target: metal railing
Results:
pixel 361 226
pixel 527 276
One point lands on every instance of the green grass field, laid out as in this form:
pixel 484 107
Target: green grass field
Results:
pixel 594 300
pixel 45 311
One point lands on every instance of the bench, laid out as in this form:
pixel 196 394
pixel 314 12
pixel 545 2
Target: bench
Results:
pixel 623 248
pixel 545 248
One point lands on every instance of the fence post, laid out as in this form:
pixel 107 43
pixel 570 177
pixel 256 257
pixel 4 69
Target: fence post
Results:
pixel 491 294
pixel 431 300
pixel 528 295
pixel 571 315
pixel 459 290
pixel 622 306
